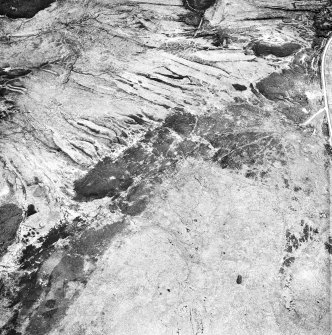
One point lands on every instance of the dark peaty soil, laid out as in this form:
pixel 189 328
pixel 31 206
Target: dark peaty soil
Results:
pixel 283 50
pixel 22 8
pixel 10 218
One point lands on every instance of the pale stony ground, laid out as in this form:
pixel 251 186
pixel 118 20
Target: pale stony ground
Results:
pixel 175 270
pixel 103 74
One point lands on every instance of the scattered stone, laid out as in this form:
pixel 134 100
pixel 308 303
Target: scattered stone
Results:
pixel 240 87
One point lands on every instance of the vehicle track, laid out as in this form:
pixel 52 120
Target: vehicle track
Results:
pixel 326 75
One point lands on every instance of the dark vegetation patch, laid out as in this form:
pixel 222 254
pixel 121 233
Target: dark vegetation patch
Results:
pixel 198 5
pixel 8 108
pixel 92 242
pixel 83 248
pixel 295 241
pixel 181 123
pixel 130 179
pixel 32 255
pixel 288 89
pixel 191 18
pixel 323 21
pixel 48 298
pixel 292 113
pixel 29 289
pixel 328 245
pixel 10 218
pixel 283 50
pixel 287 262
pixel 22 8
pixel 235 118
pixel 137 198
pixel 222 38
pixel 256 173
pixel 328 149
pixel 111 179
pixel 145 160
pixel 325 129
pixel 247 148
pixel 288 85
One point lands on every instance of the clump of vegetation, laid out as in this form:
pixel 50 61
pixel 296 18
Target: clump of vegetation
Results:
pixel 323 22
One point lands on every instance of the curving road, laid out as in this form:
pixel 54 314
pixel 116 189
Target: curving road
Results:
pixel 326 73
